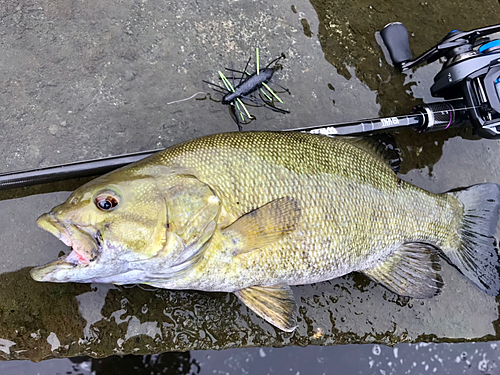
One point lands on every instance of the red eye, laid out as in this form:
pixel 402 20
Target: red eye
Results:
pixel 106 202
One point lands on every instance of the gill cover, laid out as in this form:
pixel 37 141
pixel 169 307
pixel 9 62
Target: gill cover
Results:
pixel 192 209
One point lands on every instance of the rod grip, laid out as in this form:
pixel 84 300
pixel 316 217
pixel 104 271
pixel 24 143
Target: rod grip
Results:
pixel 441 115
pixel 395 38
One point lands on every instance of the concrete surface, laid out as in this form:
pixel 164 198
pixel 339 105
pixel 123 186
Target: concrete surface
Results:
pixel 81 80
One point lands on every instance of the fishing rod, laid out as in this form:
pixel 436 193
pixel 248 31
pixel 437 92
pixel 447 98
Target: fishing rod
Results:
pixel 87 168
pixel 424 118
pixel 428 117
pixel 469 81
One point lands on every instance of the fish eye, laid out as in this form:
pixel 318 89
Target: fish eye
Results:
pixel 106 201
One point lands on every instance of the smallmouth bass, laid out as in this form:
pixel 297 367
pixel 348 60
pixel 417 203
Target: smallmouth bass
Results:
pixel 254 212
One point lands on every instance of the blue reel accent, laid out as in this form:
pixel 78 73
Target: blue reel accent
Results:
pixel 451 33
pixel 490 46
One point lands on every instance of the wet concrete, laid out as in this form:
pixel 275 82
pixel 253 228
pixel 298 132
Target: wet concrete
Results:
pixel 84 80
pixel 64 320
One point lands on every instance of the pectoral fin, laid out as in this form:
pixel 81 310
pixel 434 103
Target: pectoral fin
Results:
pixel 413 271
pixel 192 254
pixel 275 304
pixel 264 225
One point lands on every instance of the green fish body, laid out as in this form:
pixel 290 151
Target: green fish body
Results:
pixel 255 212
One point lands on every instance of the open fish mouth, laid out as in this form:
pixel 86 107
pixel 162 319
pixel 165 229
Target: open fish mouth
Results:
pixel 85 246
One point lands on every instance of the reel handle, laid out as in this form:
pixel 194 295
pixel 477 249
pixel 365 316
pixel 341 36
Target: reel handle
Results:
pixel 395 38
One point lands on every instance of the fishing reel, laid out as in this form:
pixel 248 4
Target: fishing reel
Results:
pixel 469 78
pixel 469 81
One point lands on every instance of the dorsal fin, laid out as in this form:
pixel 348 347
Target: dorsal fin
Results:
pixel 383 146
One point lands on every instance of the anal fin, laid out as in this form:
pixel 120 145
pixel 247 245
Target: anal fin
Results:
pixel 413 271
pixel 275 304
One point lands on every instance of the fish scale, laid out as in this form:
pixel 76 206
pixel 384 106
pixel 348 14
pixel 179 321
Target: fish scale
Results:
pixel 244 160
pixel 255 212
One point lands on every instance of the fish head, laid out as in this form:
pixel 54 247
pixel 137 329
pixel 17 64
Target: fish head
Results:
pixel 112 224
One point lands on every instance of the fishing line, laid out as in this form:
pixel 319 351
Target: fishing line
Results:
pixel 472 107
pixel 318 125
pixel 399 116
pixel 191 97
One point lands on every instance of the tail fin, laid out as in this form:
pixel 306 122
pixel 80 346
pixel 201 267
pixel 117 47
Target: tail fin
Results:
pixel 477 257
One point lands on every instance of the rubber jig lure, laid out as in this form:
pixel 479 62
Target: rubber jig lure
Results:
pixel 242 94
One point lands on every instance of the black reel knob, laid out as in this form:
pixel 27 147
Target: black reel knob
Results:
pixel 395 38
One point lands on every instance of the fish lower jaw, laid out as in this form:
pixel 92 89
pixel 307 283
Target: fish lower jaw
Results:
pixel 52 272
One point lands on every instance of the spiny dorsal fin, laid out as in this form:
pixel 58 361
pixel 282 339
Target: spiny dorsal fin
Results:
pixel 264 225
pixel 413 271
pixel 382 146
pixel 275 304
